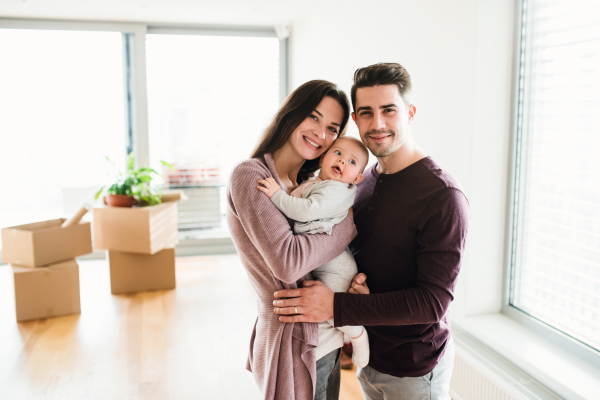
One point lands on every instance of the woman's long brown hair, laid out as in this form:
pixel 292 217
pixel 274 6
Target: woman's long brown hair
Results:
pixel 292 112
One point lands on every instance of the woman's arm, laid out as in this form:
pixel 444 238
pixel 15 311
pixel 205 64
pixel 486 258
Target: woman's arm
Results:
pixel 289 257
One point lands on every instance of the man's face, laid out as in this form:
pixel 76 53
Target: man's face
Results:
pixel 382 118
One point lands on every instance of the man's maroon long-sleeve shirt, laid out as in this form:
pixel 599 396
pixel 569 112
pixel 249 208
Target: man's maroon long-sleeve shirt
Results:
pixel 412 227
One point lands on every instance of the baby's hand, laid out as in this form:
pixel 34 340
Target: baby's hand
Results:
pixel 359 285
pixel 270 186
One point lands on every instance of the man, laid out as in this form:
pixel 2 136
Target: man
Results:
pixel 412 219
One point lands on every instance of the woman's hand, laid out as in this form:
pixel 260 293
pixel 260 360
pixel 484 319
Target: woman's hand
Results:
pixel 359 285
pixel 270 187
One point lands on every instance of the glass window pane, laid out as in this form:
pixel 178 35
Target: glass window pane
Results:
pixel 556 276
pixel 61 112
pixel 209 99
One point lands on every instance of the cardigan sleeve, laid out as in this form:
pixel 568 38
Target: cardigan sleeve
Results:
pixel 288 256
pixel 440 242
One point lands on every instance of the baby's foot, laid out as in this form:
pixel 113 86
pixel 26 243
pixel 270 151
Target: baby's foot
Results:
pixel 360 349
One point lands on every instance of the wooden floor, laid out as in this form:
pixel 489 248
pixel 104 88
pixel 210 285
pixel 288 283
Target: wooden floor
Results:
pixel 187 343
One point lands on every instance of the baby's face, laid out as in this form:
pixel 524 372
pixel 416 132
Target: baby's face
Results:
pixel 344 162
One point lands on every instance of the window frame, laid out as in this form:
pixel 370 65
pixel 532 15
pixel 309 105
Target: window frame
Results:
pixel 547 331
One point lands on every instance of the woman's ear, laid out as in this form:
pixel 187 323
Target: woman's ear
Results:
pixel 358 179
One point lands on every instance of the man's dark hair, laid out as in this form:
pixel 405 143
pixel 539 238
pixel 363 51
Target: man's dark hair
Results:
pixel 382 74
pixel 292 112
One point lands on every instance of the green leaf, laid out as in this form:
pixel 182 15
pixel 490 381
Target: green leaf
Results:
pixel 130 162
pixel 166 164
pixel 99 192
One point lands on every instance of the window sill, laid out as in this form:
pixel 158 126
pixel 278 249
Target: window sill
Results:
pixel 557 369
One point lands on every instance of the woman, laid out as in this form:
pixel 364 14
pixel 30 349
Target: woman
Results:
pixel 282 356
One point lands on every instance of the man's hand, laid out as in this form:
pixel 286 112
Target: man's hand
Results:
pixel 359 285
pixel 270 186
pixel 312 303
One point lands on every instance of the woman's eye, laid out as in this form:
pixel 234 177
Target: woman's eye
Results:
pixel 313 117
pixel 332 129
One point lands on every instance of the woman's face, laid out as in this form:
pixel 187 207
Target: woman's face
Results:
pixel 318 131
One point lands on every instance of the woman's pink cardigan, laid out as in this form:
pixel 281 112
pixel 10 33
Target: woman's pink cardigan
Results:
pixel 282 356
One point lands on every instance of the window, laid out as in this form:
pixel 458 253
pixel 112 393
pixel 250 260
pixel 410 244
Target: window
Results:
pixel 73 92
pixel 555 230
pixel 61 112
pixel 209 99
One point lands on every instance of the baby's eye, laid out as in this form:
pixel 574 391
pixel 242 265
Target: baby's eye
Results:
pixel 352 162
pixel 337 152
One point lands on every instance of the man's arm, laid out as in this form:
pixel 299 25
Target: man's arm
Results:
pixel 441 243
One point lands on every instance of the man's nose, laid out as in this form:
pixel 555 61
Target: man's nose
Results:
pixel 378 121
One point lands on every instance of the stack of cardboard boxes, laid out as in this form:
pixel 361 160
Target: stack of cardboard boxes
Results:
pixel 46 274
pixel 140 244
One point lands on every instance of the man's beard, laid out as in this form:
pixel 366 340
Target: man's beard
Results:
pixel 378 150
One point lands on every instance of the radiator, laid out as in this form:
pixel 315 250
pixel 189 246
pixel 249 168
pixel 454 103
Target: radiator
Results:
pixel 471 380
pixel 481 374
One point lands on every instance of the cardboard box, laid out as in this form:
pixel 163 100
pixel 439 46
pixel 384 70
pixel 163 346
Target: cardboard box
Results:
pixel 42 243
pixel 130 272
pixel 48 291
pixel 142 230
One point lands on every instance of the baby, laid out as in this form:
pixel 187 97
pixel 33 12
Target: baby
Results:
pixel 317 206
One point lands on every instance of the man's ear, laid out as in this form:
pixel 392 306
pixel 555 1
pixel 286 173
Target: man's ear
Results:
pixel 412 110
pixel 353 117
pixel 358 179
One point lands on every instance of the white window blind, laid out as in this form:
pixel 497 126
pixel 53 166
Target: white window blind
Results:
pixel 555 274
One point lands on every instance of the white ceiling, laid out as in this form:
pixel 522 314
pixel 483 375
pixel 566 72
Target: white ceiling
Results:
pixel 222 12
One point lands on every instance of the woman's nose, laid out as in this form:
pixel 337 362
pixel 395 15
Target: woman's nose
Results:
pixel 320 132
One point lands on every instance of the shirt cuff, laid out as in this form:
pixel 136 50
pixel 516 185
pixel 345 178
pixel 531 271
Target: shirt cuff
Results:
pixel 337 309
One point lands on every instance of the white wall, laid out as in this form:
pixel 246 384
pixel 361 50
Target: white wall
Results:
pixel 459 55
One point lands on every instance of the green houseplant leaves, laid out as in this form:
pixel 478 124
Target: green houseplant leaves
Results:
pixel 135 182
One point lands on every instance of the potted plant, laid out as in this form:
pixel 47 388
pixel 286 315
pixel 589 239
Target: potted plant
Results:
pixel 133 187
